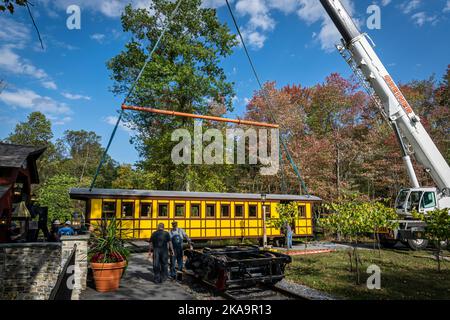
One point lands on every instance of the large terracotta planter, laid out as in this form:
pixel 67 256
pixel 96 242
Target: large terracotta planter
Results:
pixel 107 275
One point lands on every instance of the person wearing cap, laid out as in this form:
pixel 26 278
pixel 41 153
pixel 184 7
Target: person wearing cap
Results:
pixel 53 236
pixel 66 230
pixel 177 236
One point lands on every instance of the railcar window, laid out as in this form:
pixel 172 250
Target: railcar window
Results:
pixel 238 211
pixel 302 211
pixel 179 210
pixel 109 209
pixel 210 211
pixel 268 213
pixel 224 211
pixel 163 210
pixel 127 209
pixel 252 211
pixel 195 210
pixel 146 209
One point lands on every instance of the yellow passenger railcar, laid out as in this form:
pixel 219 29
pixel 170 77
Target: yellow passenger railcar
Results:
pixel 203 215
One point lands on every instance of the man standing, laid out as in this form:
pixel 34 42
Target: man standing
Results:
pixel 160 245
pixel 177 236
pixel 289 233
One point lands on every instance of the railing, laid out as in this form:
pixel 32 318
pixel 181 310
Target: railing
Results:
pixel 63 289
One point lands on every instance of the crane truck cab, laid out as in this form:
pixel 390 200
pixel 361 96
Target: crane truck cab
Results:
pixel 410 231
pixel 420 200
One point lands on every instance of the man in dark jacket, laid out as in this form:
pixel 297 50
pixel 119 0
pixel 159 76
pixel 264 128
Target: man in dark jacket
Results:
pixel 160 245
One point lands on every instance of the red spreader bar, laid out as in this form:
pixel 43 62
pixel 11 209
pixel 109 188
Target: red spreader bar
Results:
pixel 197 116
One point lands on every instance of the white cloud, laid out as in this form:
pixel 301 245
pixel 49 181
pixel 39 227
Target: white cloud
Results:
pixel 13 63
pixel 28 99
pixel 447 6
pixel 13 31
pixel 254 38
pixel 112 120
pixel 71 96
pixel 311 11
pixel 410 5
pixel 49 85
pixel 420 18
pixel 109 8
pixel 213 3
pixel 99 37
pixel 261 22
pixel 385 2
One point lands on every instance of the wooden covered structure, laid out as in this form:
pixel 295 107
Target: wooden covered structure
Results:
pixel 18 171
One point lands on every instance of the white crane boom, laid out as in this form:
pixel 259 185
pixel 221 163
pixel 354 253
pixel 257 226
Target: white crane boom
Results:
pixel 393 103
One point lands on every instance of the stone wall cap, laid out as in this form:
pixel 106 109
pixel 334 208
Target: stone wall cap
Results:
pixel 30 245
pixel 75 238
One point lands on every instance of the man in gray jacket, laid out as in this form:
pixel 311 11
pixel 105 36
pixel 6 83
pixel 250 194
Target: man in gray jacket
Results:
pixel 177 236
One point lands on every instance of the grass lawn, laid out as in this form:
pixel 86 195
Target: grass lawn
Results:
pixel 404 274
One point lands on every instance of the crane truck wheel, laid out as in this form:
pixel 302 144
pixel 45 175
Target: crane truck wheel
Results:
pixel 417 244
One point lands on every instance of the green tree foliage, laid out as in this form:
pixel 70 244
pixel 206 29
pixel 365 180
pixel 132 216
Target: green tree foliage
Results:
pixel 129 178
pixel 10 5
pixel 36 131
pixel 437 229
pixel 80 152
pixel 183 75
pixel 352 219
pixel 287 213
pixel 54 194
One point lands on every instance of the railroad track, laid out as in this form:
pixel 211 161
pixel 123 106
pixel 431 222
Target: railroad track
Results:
pixel 261 292
pixel 258 292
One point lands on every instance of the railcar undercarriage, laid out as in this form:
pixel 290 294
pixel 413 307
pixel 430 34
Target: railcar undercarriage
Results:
pixel 236 267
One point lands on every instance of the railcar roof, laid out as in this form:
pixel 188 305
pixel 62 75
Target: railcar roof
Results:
pixel 84 193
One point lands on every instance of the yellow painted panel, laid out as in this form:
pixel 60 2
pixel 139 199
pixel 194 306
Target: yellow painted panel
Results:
pixel 144 234
pixel 225 232
pixel 225 223
pixel 146 224
pixel 195 223
pixel 96 208
pixel 195 233
pixel 137 209
pixel 300 222
pixel 210 223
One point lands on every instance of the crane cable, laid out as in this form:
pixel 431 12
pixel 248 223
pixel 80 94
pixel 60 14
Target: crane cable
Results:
pixel 267 99
pixel 131 90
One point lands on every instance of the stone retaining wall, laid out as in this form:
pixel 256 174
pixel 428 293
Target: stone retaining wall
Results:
pixel 29 271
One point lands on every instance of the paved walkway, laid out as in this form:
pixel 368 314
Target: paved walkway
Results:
pixel 137 284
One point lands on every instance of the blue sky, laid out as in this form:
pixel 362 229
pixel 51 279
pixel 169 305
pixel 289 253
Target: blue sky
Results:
pixel 291 42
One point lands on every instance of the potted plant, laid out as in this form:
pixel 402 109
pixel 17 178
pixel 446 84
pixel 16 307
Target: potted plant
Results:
pixel 107 256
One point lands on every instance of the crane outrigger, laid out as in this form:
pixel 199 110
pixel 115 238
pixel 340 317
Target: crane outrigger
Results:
pixel 412 136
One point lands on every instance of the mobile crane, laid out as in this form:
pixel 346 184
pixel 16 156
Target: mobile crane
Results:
pixel 412 136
